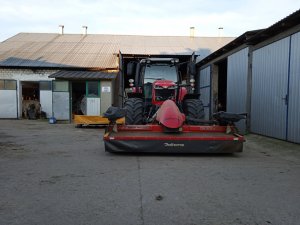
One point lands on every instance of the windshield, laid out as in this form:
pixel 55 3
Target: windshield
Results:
pixel 160 72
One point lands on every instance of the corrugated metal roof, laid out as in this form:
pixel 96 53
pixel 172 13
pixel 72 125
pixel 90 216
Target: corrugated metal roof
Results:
pixel 86 75
pixel 279 27
pixel 96 50
pixel 255 36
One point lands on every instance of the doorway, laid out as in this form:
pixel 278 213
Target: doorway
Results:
pixel 30 105
pixel 78 94
pixel 30 90
pixel 222 85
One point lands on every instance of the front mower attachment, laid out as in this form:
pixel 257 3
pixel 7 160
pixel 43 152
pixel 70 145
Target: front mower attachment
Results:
pixel 152 138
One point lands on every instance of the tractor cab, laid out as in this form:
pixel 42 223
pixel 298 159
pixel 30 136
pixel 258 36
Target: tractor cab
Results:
pixel 159 79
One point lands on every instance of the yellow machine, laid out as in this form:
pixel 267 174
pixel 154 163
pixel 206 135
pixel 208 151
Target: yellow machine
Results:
pixel 83 120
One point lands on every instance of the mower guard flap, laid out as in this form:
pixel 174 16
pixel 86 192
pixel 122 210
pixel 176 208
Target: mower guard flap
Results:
pixel 192 139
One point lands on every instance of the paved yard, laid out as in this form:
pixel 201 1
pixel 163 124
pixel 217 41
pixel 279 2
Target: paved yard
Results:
pixel 57 174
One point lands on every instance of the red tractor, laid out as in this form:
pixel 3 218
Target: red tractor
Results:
pixel 163 114
pixel 155 81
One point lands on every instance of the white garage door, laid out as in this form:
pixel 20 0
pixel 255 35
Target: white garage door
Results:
pixel 8 99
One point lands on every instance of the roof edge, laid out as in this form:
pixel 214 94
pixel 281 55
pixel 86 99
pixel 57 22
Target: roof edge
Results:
pixel 242 39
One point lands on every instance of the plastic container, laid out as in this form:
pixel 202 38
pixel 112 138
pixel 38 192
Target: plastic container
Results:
pixel 52 120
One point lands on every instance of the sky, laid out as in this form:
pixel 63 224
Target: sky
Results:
pixel 142 17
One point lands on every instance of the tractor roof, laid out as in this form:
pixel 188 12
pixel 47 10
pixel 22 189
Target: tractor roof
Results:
pixel 160 60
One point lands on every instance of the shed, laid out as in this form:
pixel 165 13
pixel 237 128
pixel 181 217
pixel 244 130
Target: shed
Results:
pixel 258 73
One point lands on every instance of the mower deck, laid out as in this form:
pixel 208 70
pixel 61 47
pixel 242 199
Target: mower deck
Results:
pixel 192 139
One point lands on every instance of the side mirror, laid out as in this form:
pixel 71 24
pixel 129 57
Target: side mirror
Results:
pixel 131 67
pixel 192 68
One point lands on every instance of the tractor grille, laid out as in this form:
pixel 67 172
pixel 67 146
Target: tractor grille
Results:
pixel 164 94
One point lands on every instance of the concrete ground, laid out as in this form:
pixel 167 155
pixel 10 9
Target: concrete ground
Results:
pixel 59 174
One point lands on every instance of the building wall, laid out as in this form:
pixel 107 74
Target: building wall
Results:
pixel 24 75
pixel 263 80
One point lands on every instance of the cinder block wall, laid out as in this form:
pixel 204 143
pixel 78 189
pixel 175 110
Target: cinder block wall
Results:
pixel 26 74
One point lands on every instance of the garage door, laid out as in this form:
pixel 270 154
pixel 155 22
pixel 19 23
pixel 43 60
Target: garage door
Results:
pixel 8 99
pixel 275 89
pixel 269 89
pixel 293 131
pixel 237 72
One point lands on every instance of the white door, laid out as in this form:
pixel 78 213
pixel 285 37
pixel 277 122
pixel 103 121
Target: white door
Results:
pixel 46 97
pixel 93 98
pixel 8 99
pixel 61 100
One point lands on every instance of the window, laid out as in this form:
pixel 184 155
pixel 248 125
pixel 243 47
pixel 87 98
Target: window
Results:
pixel 160 72
pixel 45 85
pixel 8 85
pixel 92 88
pixel 1 84
pixel 61 86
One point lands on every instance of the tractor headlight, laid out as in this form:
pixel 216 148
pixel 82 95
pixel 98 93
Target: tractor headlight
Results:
pixel 131 82
pixel 158 87
pixel 192 82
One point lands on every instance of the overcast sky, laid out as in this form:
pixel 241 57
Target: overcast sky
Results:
pixel 142 17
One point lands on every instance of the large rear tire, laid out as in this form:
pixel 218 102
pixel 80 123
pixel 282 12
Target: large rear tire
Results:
pixel 134 111
pixel 193 108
